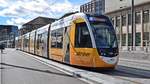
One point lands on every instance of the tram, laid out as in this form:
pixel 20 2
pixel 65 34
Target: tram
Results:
pixel 79 39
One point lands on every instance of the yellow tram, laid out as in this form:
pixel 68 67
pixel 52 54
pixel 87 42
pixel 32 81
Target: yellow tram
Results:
pixel 79 39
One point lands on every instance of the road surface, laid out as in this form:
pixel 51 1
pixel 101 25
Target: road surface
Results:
pixel 18 68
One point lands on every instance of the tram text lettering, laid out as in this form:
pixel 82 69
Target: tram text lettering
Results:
pixel 83 54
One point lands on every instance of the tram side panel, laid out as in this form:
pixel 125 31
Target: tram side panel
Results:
pixel 16 42
pixel 19 43
pixel 26 42
pixel 22 42
pixel 41 42
pixel 56 44
pixel 45 44
pixel 66 45
pixel 38 44
pixel 32 41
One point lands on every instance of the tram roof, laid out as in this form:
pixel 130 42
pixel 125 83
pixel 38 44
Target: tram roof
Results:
pixel 66 21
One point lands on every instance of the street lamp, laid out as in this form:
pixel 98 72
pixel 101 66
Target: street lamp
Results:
pixel 132 22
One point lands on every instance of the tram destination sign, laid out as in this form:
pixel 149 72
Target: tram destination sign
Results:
pixel 93 19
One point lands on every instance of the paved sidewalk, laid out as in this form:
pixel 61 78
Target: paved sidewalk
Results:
pixel 137 64
pixel 135 55
pixel 140 60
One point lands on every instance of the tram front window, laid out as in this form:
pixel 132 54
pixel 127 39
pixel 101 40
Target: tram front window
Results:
pixel 104 35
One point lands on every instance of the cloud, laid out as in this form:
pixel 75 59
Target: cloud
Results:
pixel 22 11
pixel 3 3
pixel 65 7
pixel 17 21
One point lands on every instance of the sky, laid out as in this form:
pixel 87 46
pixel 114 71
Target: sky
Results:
pixel 18 12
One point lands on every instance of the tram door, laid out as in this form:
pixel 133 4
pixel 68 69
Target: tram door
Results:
pixel 81 44
pixel 44 46
pixel 66 45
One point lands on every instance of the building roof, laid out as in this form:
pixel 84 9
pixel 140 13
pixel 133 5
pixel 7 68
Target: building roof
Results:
pixel 40 20
pixel 35 24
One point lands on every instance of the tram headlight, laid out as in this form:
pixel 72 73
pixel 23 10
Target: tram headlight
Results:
pixel 103 54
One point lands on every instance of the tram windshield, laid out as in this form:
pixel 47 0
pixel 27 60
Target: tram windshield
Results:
pixel 104 35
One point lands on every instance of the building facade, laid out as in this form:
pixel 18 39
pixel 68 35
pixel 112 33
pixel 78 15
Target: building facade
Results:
pixel 121 19
pixel 8 34
pixel 94 6
pixel 113 5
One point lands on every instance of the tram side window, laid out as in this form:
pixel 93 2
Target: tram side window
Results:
pixel 39 40
pixel 53 39
pixel 59 38
pixel 82 36
pixel 26 40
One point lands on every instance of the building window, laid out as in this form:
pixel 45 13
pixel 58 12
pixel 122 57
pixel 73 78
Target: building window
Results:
pixel 137 17
pixel 123 20
pixel 129 39
pixel 146 16
pixel 138 39
pixel 81 8
pixel 118 22
pixel 88 7
pixel 129 19
pixel 92 7
pixel 123 39
pixel 146 37
pixel 118 38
